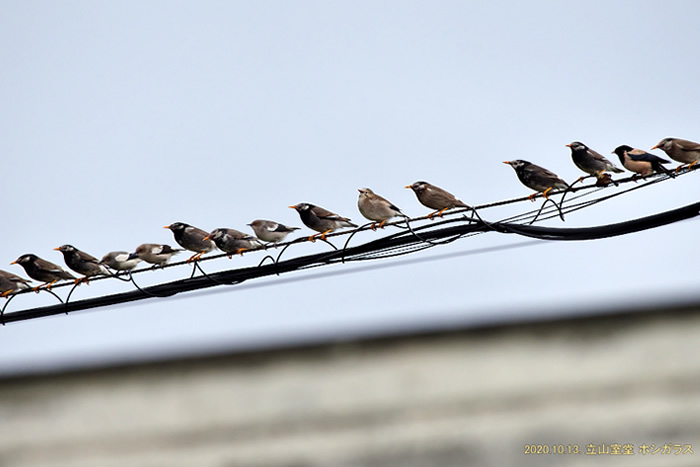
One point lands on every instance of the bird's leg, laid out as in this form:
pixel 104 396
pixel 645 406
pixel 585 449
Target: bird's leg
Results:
pixel 195 257
pixel 682 166
pixel 312 238
pixel 241 250
pixel 532 197
pixel 82 279
pixel 46 285
pixel 547 191
pixel 439 214
pixel 373 226
pixel 323 235
pixel 692 164
pixel 381 224
pixel 6 293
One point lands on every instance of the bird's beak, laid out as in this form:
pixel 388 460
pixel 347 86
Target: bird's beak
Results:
pixel 568 145
pixel 14 262
pixel 656 147
pixel 57 248
pixel 132 256
pixel 407 186
pixel 206 238
pixel 166 226
pixel 360 190
pixel 293 207
pixel 506 162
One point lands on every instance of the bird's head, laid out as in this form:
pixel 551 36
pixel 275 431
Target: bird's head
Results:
pixel 665 144
pixel 24 259
pixel 577 146
pixel 517 163
pixel 177 226
pixel 418 186
pixel 365 192
pixel 302 207
pixel 215 234
pixel 621 151
pixel 66 248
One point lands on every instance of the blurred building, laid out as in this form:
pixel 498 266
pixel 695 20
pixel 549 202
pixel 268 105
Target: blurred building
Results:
pixel 624 387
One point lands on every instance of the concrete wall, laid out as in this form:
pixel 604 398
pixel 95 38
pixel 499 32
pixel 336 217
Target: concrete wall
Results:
pixel 445 399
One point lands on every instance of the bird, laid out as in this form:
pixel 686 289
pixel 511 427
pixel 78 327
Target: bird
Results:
pixel 435 198
pixel 536 177
pixel 191 238
pixel 11 282
pixel 271 231
pixel 120 261
pixel 321 220
pixel 42 270
pixel 641 162
pixel 591 162
pixel 154 253
pixel 82 263
pixel 233 242
pixel 680 150
pixel 376 208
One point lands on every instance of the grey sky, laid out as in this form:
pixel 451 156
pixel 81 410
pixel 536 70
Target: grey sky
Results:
pixel 121 117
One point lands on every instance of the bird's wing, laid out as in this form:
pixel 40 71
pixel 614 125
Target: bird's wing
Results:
pixel 686 145
pixel 640 155
pixel 48 266
pixel 86 257
pixel 326 214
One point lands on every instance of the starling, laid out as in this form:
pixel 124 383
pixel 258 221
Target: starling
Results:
pixel 436 198
pixel 321 220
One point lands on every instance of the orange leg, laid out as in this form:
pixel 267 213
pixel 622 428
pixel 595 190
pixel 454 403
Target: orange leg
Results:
pixel 6 293
pixel 241 250
pixel 547 191
pixel 532 196
pixel 323 235
pixel 195 257
pixel 373 226
pixel 381 224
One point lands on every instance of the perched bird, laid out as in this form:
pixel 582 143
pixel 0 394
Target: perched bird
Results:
pixel 191 238
pixel 233 242
pixel 376 208
pixel 154 253
pixel 270 231
pixel 120 261
pixel 321 220
pixel 435 198
pixel 536 177
pixel 10 282
pixel 641 162
pixel 42 270
pixel 591 162
pixel 82 263
pixel 680 150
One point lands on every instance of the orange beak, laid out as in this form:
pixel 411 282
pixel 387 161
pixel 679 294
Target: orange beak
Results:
pixel 293 207
pixel 506 162
pixel 14 262
pixel 656 147
pixel 57 248
pixel 166 226
pixel 407 186
pixel 206 238
pixel 568 145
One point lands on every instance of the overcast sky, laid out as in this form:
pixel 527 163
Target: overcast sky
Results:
pixel 120 117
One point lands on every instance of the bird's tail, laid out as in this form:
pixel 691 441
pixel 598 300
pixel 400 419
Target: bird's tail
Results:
pixel 658 167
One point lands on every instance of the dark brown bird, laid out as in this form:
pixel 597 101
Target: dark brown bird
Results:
pixel 680 150
pixel 120 261
pixel 536 177
pixel 82 263
pixel 376 208
pixel 191 238
pixel 641 162
pixel 154 253
pixel 233 242
pixel 11 282
pixel 436 198
pixel 271 231
pixel 321 220
pixel 42 270
pixel 590 161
